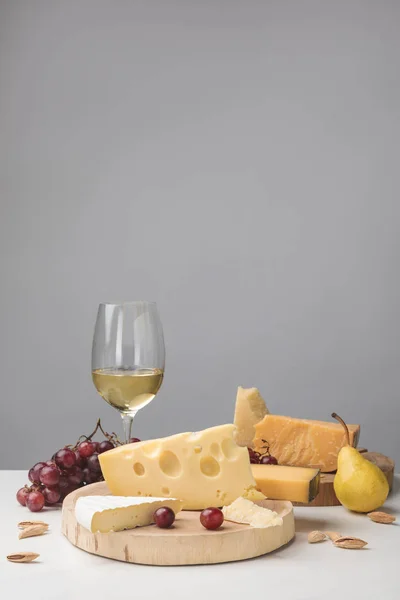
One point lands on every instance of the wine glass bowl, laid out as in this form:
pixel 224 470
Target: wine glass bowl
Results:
pixel 127 389
pixel 128 356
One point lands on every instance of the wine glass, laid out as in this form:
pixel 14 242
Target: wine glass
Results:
pixel 128 357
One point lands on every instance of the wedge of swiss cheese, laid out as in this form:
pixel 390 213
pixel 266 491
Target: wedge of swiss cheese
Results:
pixel 250 408
pixel 301 442
pixel 202 469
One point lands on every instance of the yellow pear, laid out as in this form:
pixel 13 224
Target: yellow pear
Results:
pixel 359 484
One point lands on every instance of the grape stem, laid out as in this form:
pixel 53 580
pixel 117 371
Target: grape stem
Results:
pixel 266 447
pixel 111 437
pixel 98 424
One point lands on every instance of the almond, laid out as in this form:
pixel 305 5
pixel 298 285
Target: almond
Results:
pixel 351 543
pixel 25 524
pixel 381 517
pixel 316 536
pixel 333 535
pixel 23 557
pixel 32 530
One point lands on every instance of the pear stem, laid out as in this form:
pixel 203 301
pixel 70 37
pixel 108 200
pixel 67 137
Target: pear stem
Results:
pixel 335 416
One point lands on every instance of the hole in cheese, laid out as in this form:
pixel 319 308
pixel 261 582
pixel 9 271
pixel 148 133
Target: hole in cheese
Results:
pixel 197 449
pixel 221 497
pixel 170 464
pixel 209 466
pixel 165 491
pixel 229 448
pixel 139 469
pixel 215 451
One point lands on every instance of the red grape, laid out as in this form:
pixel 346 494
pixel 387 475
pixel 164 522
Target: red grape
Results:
pixel 254 457
pixel 164 517
pixel 34 472
pixel 51 495
pixel 75 476
pixel 50 463
pixel 104 446
pixel 65 458
pixel 63 483
pixel 50 475
pixel 93 463
pixel 96 446
pixel 80 460
pixel 86 449
pixel 35 501
pixel 89 476
pixel 65 486
pixel 134 440
pixel 211 518
pixel 22 495
pixel 269 460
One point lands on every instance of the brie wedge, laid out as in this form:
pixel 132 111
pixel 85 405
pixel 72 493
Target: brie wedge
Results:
pixel 115 513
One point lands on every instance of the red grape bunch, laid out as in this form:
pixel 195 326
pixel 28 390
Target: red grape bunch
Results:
pixel 262 459
pixel 70 468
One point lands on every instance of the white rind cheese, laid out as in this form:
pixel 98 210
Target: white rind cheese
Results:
pixel 206 468
pixel 115 513
pixel 245 511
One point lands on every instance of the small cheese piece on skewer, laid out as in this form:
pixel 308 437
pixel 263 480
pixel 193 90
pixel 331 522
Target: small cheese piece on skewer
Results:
pixel 245 511
pixel 115 513
pixel 302 442
pixel 250 408
pixel 297 484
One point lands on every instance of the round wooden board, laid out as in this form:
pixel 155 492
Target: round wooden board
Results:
pixel 327 496
pixel 186 543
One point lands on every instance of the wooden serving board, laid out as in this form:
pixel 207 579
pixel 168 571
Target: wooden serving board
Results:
pixel 186 543
pixel 327 496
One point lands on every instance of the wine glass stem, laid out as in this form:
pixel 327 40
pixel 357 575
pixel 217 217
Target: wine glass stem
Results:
pixel 127 425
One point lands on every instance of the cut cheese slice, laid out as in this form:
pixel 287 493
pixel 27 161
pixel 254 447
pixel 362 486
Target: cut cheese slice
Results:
pixel 115 513
pixel 250 408
pixel 203 469
pixel 297 484
pixel 303 443
pixel 245 511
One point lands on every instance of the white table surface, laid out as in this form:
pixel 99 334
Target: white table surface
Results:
pixel 300 571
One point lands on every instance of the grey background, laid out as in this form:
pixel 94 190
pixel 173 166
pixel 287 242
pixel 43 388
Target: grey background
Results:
pixel 237 162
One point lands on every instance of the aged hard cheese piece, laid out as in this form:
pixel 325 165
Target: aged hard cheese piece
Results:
pixel 245 511
pixel 250 408
pixel 115 513
pixel 303 443
pixel 297 484
pixel 203 469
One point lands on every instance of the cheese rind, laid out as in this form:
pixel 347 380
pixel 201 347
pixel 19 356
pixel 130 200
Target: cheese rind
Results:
pixel 302 442
pixel 245 511
pixel 203 469
pixel 115 513
pixel 250 408
pixel 297 484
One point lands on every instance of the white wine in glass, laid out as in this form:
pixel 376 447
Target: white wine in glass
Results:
pixel 128 357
